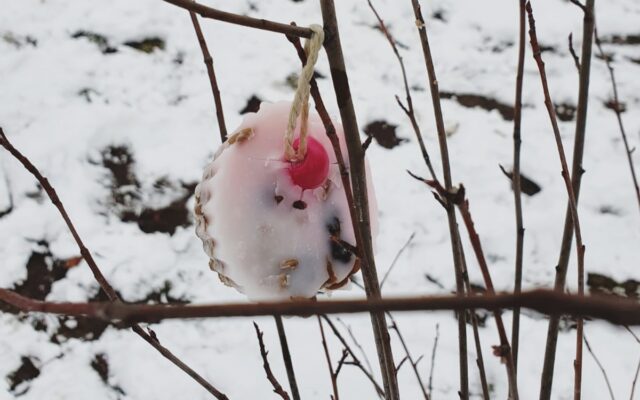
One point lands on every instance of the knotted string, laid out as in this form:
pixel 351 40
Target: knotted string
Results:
pixel 300 105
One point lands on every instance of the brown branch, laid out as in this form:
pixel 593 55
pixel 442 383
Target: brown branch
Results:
pixel 618 311
pixel 395 259
pixel 355 361
pixel 576 60
pixel 571 190
pixel 635 380
pixel 604 372
pixel 357 343
pixel 456 246
pixel 517 187
pixel 362 227
pixel 414 364
pixel 618 110
pixel 208 62
pixel 457 197
pixel 97 273
pixel 277 388
pixel 286 355
pixel 332 373
pixel 243 20
pixel 476 334
pixel 342 361
pixel 433 358
pixel 408 109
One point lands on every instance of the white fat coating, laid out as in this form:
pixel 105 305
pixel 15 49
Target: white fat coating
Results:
pixel 250 235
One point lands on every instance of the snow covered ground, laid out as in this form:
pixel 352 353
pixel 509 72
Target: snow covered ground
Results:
pixel 112 102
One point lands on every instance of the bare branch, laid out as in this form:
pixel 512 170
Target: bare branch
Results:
pixel 408 109
pixel 362 224
pixel 332 374
pixel 618 110
pixel 604 372
pixel 395 259
pixel 414 364
pixel 635 380
pixel 277 388
pixel 516 182
pixel 571 192
pixel 258 23
pixel 433 358
pixel 286 355
pixel 208 61
pixel 576 60
pixel 454 234
pixel 357 343
pixel 618 311
pixel 356 362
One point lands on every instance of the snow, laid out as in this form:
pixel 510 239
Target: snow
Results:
pixel 159 106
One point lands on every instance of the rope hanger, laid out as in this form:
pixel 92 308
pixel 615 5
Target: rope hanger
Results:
pixel 300 104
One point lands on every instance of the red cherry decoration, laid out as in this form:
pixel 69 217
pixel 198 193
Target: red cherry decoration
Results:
pixel 313 170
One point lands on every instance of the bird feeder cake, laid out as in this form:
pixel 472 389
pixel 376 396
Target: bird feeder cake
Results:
pixel 276 227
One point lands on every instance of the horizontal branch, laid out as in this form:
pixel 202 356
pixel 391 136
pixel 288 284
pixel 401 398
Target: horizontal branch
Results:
pixel 616 310
pixel 258 23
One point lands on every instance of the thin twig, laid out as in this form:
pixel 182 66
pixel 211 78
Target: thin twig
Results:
pixel 635 380
pixel 355 361
pixel 517 187
pixel 571 193
pixel 457 197
pixel 357 343
pixel 97 273
pixel 286 355
pixel 604 372
pixel 243 20
pixel 576 60
pixel 476 334
pixel 208 62
pixel 408 109
pixel 362 227
pixel 414 364
pixel 395 259
pixel 456 246
pixel 277 388
pixel 637 339
pixel 618 110
pixel 332 374
pixel 433 359
pixel 618 311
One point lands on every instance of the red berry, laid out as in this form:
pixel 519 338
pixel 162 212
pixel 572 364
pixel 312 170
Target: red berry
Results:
pixel 313 170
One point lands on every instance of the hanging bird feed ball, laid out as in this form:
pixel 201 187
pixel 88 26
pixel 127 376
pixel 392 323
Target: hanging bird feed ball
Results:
pixel 271 209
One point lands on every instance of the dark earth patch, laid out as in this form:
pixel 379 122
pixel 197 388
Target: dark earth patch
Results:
pixel 100 364
pixel 565 111
pixel 27 371
pixel 602 284
pixel 147 45
pixel 618 107
pixel 126 200
pixel 253 105
pixel 527 185
pixel 622 39
pixel 19 41
pixel 384 133
pixel 99 40
pixel 471 100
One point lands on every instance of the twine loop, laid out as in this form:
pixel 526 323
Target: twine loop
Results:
pixel 300 104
